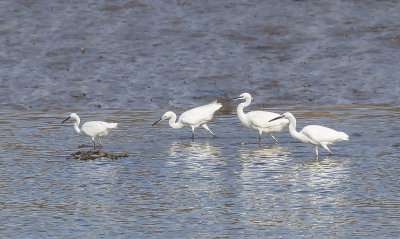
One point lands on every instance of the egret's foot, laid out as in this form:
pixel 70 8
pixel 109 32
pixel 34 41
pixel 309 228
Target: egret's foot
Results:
pixel 276 141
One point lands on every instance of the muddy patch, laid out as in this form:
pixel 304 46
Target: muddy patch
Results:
pixel 97 154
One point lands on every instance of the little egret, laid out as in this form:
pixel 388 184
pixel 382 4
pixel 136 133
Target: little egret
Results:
pixel 259 120
pixel 93 129
pixel 193 117
pixel 314 134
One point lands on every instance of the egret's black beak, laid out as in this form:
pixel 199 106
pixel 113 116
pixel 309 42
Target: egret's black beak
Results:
pixel 279 117
pixel 66 119
pixel 156 122
pixel 236 98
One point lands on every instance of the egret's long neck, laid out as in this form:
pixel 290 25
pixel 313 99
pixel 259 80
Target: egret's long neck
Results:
pixel 242 116
pixel 293 131
pixel 76 126
pixel 172 122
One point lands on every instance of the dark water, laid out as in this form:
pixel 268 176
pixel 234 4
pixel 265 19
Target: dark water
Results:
pixel 329 63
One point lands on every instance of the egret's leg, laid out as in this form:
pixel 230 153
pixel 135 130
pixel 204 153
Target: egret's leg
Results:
pixel 274 138
pixel 206 127
pixel 193 133
pixel 316 151
pixel 259 136
pixel 327 149
pixel 100 143
pixel 94 143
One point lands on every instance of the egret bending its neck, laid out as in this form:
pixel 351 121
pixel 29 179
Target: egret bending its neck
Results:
pixel 172 120
pixel 76 124
pixel 173 123
pixel 77 129
pixel 292 128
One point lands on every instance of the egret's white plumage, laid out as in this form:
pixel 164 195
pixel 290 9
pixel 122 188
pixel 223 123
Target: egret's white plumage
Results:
pixel 93 129
pixel 259 120
pixel 193 117
pixel 314 134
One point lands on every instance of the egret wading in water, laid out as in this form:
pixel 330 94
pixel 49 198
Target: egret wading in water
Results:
pixel 259 120
pixel 93 129
pixel 193 117
pixel 314 134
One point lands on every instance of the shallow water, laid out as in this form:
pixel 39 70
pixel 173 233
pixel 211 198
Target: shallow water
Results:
pixel 333 64
pixel 225 186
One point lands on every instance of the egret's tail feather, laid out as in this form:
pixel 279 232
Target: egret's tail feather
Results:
pixel 112 125
pixel 217 105
pixel 344 136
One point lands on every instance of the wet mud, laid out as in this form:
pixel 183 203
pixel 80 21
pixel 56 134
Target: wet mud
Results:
pixel 97 154
pixel 180 53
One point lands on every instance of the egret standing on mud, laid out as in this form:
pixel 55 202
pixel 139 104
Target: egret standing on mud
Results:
pixel 314 134
pixel 193 117
pixel 259 120
pixel 93 129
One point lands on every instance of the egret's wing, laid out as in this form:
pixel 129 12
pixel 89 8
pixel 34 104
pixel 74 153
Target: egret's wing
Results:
pixel 93 128
pixel 201 114
pixel 322 134
pixel 262 118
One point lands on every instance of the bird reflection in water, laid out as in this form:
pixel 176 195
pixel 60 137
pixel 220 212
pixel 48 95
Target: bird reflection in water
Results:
pixel 270 151
pixel 256 162
pixel 194 150
pixel 197 155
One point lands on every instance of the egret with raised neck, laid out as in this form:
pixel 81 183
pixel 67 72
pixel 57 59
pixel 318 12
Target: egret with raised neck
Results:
pixel 259 120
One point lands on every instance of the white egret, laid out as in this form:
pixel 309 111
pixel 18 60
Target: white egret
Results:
pixel 259 120
pixel 193 117
pixel 314 134
pixel 93 129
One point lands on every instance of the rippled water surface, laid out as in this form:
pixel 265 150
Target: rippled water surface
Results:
pixel 329 63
